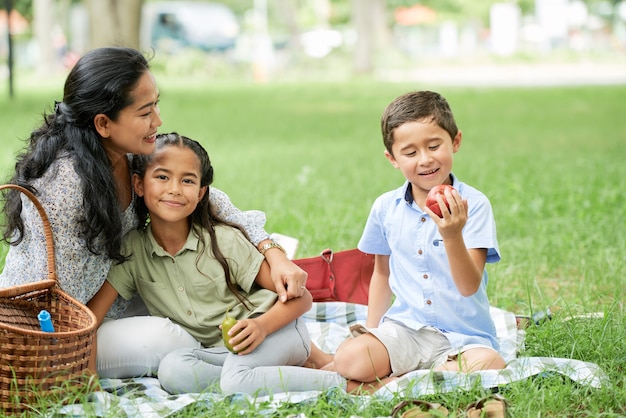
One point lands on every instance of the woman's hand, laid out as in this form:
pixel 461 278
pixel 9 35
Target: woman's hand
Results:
pixel 289 279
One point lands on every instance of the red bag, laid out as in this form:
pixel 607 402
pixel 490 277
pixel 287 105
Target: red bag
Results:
pixel 342 276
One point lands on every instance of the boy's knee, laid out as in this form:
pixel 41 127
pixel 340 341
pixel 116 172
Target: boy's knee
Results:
pixel 482 359
pixel 347 359
pixel 496 361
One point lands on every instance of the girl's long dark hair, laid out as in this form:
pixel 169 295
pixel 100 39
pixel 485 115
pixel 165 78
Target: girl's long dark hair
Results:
pixel 100 82
pixel 203 217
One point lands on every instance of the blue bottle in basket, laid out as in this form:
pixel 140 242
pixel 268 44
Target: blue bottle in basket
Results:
pixel 45 321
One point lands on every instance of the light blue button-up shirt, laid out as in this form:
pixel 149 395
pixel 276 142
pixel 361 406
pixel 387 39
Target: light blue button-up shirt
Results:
pixel 420 279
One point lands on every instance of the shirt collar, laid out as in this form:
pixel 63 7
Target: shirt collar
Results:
pixel 155 248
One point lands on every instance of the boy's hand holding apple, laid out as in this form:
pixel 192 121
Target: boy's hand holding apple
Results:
pixel 431 198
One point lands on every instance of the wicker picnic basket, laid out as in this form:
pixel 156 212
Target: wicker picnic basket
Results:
pixel 33 363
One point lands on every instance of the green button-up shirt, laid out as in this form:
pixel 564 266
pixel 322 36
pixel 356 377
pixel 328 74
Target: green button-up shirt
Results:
pixel 190 287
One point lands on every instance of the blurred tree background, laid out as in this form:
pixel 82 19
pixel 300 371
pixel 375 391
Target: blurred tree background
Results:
pixel 361 34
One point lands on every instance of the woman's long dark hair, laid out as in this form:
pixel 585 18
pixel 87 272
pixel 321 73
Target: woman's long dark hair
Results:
pixel 101 82
pixel 203 217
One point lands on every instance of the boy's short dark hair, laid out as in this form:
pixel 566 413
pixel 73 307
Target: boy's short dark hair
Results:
pixel 414 107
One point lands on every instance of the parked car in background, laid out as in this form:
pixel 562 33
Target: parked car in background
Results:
pixel 171 26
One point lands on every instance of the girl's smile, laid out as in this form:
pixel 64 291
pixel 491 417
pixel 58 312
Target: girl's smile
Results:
pixel 171 186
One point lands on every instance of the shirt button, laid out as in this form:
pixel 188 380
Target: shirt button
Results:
pixel 425 276
pixel 188 313
pixel 180 288
pixel 429 302
pixel 419 252
pixel 423 219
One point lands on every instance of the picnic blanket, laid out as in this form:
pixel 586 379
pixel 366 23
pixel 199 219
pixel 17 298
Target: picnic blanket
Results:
pixel 328 323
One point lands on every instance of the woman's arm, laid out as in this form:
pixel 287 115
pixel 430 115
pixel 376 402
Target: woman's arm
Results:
pixel 288 278
pixel 252 221
pixel 249 333
pixel 99 305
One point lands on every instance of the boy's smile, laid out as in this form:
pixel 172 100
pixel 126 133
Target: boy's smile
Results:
pixel 423 152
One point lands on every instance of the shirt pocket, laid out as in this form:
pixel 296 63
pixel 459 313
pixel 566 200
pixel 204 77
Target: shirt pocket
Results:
pixel 208 292
pixel 153 293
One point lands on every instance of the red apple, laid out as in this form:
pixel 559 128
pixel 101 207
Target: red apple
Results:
pixel 431 199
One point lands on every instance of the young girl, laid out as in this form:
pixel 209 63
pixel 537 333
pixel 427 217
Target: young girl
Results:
pixel 192 267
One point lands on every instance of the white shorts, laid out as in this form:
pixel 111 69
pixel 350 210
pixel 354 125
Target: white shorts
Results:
pixel 411 349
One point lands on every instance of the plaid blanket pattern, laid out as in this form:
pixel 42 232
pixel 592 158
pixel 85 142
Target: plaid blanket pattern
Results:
pixel 328 324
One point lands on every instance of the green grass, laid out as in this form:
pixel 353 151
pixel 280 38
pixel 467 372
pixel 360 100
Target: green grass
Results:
pixel 552 161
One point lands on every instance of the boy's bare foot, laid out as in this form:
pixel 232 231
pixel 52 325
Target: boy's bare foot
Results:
pixel 330 367
pixel 360 388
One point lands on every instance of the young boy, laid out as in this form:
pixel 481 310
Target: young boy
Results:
pixel 435 267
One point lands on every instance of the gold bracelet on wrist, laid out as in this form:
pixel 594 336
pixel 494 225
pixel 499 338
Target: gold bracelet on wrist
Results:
pixel 269 246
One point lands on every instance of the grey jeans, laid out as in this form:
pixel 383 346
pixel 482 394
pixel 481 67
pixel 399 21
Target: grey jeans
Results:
pixel 273 367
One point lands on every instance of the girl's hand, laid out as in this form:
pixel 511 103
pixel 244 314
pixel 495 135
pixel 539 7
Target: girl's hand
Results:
pixel 247 335
pixel 455 218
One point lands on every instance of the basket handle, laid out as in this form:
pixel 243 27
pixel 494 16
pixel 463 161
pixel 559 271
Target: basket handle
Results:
pixel 52 275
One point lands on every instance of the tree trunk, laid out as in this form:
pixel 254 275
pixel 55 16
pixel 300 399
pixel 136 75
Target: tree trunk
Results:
pixel 9 7
pixel 289 13
pixel 43 22
pixel 114 22
pixel 369 22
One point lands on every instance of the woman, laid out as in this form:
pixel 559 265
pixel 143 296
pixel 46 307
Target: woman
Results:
pixel 77 164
